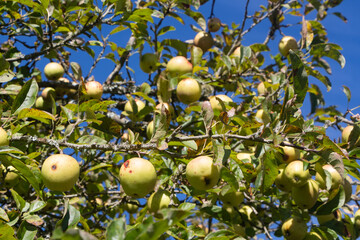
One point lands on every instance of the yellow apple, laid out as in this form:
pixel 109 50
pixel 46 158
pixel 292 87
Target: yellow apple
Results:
pixel 53 71
pixel 131 113
pixel 295 174
pixel 4 138
pixel 201 173
pixel 94 89
pixel 294 228
pixel 290 154
pixel 336 179
pixel 178 65
pixel 215 103
pixel 158 200
pixel 306 195
pixel 188 91
pixel 282 182
pixel 286 44
pixel 262 116
pixel 232 198
pixel 204 41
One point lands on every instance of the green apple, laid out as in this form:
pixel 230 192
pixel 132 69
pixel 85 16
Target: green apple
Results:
pixel 290 154
pixel 248 212
pixel 188 90
pixel 53 71
pixel 262 116
pixel 60 172
pixel 4 138
pixel 137 177
pixel 306 195
pixel 47 93
pixel 336 179
pixel 150 129
pixel 178 65
pixel 202 173
pixel 148 62
pixel 336 215
pixel 295 174
pixel 294 228
pixel 12 177
pixel 214 24
pixel 41 104
pixel 215 103
pixel 131 113
pixel 245 156
pixel 158 200
pixel 232 198
pixel 282 182
pixel 94 89
pixel 261 89
pixel 286 44
pixel 132 206
pixel 204 41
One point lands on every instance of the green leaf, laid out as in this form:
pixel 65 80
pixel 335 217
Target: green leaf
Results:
pixel 3 215
pixel 37 114
pixel 6 232
pixel 165 30
pixel 300 77
pixel 21 204
pixel 116 229
pixel 36 205
pixel 329 50
pixel 70 219
pixel 34 220
pixel 177 44
pixel 76 68
pixel 26 97
pixel 229 177
pixel 347 92
pixel 89 139
pixel 337 202
pixel 218 235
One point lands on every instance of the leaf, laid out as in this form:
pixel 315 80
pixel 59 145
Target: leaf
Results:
pixel 3 215
pixel 177 44
pixel 36 205
pixel 218 235
pixel 347 92
pixel 300 77
pixel 6 232
pixel 208 115
pixel 26 97
pixel 37 114
pixel 116 229
pixel 34 220
pixel 329 50
pixel 70 219
pixel 89 139
pixel 20 202
pixel 337 202
pixel 229 177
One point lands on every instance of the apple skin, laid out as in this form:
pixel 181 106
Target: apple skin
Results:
pixel 336 215
pixel 60 172
pixel 305 196
pixel 287 43
pixel 178 66
pixel 261 89
pixel 137 177
pixel 188 90
pixel 150 129
pixel 290 154
pixel 94 89
pixel 295 174
pixel 282 182
pixel 131 206
pixel 148 62
pixel 53 71
pixel 245 156
pixel 47 93
pixel 158 200
pixel 130 111
pixel 215 103
pixel 294 228
pixel 262 116
pixel 201 173
pixel 11 178
pixel 232 198
pixel 204 41
pixel 336 179
pixel 214 24
pixel 4 137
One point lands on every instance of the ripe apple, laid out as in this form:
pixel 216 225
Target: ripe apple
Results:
pixel 201 173
pixel 61 91
pixel 158 200
pixel 215 103
pixel 294 228
pixel 305 196
pixel 131 113
pixel 150 129
pixel 232 198
pixel 286 44
pixel 4 140
pixel 295 174
pixel 53 71
pixel 178 65
pixel 60 172
pixel 94 89
pixel 188 91
pixel 290 154
pixel 348 189
pixel 282 182
pixel 214 24
pixel 204 41
pixel 47 93
pixel 148 62
pixel 245 156
pixel 262 116
pixel 137 177
pixel 357 219
pixel 336 178
pixel 131 206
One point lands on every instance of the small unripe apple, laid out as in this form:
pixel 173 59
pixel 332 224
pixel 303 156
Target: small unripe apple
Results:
pixel 188 91
pixel 148 62
pixel 94 89
pixel 305 196
pixel 12 177
pixel 4 138
pixel 47 93
pixel 131 206
pixel 262 116
pixel 178 65
pixel 158 200
pixel 282 182
pixel 286 44
pixel 137 177
pixel 214 24
pixel 150 129
pixel 204 41
pixel 60 172
pixel 232 198
pixel 336 178
pixel 346 133
pixel 295 173
pixel 53 71
pixel 202 173
pixel 131 113
pixel 294 228
pixel 215 103
pixel 290 154
pixel 248 212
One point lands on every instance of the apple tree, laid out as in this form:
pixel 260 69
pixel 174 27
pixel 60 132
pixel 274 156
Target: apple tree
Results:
pixel 116 125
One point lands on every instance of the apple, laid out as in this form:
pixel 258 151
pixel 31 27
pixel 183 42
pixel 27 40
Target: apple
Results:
pixel 336 179
pixel 94 89
pixel 204 41
pixel 188 91
pixel 12 177
pixel 282 182
pixel 345 135
pixel 137 177
pixel 158 200
pixel 150 129
pixel 61 91
pixel 132 206
pixel 60 172
pixel 202 173
pixel 4 137
pixel 236 52
pixel 167 106
pixel 229 209
pixel 245 156
pixel 306 195
pixel 148 62
pixel 131 113
pixel 53 71
pixel 125 137
pixel 336 215
pixel 294 228
pixel 178 65
pixel 262 116
pixel 348 189
pixel 214 24
pixel 248 212
pixel 295 174
pixel 232 198
pixel 41 104
pixel 357 219
pixel 286 44
pixel 215 103
pixel 261 89
pixel 290 154
pixel 47 93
